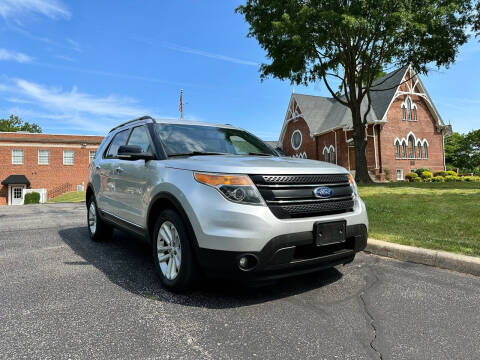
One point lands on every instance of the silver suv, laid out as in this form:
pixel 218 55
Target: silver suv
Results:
pixel 215 199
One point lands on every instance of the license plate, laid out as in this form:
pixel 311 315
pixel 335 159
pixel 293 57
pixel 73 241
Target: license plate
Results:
pixel 329 233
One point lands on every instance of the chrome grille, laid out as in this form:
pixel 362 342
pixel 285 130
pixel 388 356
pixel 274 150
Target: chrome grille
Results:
pixel 292 196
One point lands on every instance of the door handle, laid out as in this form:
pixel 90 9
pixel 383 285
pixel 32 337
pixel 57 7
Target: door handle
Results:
pixel 118 170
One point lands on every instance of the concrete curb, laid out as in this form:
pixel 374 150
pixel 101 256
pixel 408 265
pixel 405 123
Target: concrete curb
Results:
pixel 442 259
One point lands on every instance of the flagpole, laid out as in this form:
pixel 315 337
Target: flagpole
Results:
pixel 181 104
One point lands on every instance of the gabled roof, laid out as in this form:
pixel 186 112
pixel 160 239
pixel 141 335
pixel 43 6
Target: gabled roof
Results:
pixel 383 90
pixel 16 180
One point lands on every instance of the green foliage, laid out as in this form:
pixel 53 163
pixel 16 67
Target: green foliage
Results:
pixel 426 175
pixel 421 170
pixel 451 173
pixel 450 178
pixel 32 198
pixel 439 179
pixel 471 178
pixel 463 150
pixel 14 123
pixel 387 174
pixel 440 173
pixel 411 177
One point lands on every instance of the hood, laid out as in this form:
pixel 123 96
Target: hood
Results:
pixel 233 164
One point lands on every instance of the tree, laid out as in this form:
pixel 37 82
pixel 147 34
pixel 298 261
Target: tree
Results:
pixel 348 42
pixel 14 123
pixel 463 150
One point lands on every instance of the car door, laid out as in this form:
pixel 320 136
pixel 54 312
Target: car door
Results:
pixel 108 173
pixel 132 183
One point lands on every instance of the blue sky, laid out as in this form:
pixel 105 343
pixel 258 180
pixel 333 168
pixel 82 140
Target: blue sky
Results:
pixel 84 66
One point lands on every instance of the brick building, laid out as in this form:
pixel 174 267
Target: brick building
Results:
pixel 51 164
pixel 405 131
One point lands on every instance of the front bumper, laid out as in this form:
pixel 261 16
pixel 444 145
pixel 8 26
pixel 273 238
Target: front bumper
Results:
pixel 285 255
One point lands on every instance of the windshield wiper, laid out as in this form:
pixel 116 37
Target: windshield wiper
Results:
pixel 259 154
pixel 193 153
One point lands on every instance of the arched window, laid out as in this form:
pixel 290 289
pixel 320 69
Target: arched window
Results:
pixel 409 108
pixel 296 139
pixel 397 149
pixel 404 150
pixel 419 150
pixel 411 147
pixel 404 112
pixel 414 113
pixel 325 154
pixel 332 155
pixel 425 150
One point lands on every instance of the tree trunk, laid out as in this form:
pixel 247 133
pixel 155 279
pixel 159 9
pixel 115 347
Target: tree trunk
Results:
pixel 361 170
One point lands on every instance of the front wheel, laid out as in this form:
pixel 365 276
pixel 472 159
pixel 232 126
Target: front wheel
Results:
pixel 173 252
pixel 97 228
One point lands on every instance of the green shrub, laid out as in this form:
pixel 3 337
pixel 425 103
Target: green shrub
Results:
pixel 440 173
pixel 420 171
pixel 426 175
pixel 32 198
pixel 387 174
pixel 471 178
pixel 417 179
pixel 451 173
pixel 411 176
pixel 450 178
pixel 439 179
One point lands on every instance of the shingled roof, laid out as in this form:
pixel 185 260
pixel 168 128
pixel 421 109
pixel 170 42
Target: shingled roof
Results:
pixel 324 114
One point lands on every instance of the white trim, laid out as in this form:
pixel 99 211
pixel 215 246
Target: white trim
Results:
pixel 402 177
pixel 336 152
pixel 73 157
pixel 23 157
pixel 38 157
pixel 375 147
pixel 301 140
pixel 45 145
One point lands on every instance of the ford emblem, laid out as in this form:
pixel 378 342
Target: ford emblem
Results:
pixel 323 192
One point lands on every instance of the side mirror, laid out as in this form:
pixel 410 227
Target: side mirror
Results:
pixel 133 152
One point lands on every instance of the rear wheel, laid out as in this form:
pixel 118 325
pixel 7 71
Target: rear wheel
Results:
pixel 97 228
pixel 173 252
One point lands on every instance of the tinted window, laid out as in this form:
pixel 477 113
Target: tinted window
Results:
pixel 184 139
pixel 140 138
pixel 119 140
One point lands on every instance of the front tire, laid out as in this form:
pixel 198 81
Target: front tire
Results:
pixel 98 229
pixel 173 252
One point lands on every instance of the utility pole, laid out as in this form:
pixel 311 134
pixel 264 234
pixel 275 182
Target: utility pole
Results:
pixel 181 104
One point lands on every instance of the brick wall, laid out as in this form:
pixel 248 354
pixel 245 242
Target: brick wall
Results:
pixel 423 128
pixel 55 177
pixel 308 143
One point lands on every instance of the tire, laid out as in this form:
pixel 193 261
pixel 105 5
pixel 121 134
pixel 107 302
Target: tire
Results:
pixel 173 252
pixel 98 229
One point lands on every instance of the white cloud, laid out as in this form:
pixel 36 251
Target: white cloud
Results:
pixel 8 55
pixel 70 108
pixel 17 8
pixel 188 50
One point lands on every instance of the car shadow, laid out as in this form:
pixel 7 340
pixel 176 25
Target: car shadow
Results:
pixel 127 262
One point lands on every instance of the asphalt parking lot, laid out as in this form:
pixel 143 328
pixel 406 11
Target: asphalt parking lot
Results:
pixel 63 296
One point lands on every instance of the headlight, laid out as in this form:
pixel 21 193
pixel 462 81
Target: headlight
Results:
pixel 236 188
pixel 353 185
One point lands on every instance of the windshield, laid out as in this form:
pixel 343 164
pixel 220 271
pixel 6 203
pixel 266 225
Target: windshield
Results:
pixel 184 139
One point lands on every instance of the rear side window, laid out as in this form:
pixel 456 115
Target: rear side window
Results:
pixel 140 138
pixel 119 140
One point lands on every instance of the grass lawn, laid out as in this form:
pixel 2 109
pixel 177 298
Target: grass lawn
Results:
pixel 74 196
pixel 442 216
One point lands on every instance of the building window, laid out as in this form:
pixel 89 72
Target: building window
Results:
pixel 404 150
pixel 91 155
pixel 399 174
pixel 17 156
pixel 397 149
pixel 419 150
pixel 404 112
pixel 43 157
pixel 68 157
pixel 411 147
pixel 296 139
pixel 332 155
pixel 425 150
pixel 409 109
pixel 414 113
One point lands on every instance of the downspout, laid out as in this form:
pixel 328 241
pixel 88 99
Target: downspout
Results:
pixel 348 150
pixel 375 146
pixel 336 152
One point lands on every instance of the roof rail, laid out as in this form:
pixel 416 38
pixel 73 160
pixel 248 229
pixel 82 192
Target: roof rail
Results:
pixel 130 121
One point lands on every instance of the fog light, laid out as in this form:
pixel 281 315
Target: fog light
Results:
pixel 243 262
